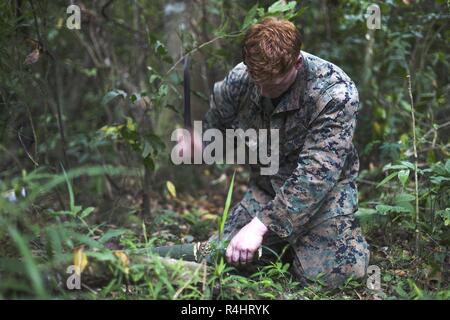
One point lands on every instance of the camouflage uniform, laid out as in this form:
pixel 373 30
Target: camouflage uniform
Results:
pixel 310 202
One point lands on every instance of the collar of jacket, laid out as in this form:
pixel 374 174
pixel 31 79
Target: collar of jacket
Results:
pixel 291 100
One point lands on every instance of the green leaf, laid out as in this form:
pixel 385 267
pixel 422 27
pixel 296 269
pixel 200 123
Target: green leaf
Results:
pixel 83 239
pixel 298 13
pixel 390 166
pixel 281 6
pixel 444 214
pixel 365 212
pixel 112 233
pixel 407 207
pixel 69 187
pixel 402 166
pixel 447 166
pixel 30 265
pixel 408 165
pixel 55 249
pixel 384 209
pixel 146 149
pixel 403 176
pixel 400 291
pixel 267 295
pixel 112 94
pixel 101 256
pixel 76 210
pixel 405 105
pixel 438 180
pixel 404 197
pixel 227 207
pixel 153 77
pixel 418 292
pixel 163 90
pixel 387 179
pixel 86 212
pixel 250 18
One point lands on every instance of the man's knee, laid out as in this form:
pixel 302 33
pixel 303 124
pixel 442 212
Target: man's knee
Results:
pixel 331 278
pixel 332 252
pixel 355 270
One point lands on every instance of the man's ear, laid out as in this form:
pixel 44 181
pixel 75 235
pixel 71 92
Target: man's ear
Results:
pixel 299 62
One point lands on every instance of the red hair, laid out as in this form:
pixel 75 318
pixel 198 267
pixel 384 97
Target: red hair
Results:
pixel 271 48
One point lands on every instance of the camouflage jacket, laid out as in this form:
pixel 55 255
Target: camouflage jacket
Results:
pixel 316 119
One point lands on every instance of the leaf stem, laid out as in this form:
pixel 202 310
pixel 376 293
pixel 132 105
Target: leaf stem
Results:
pixel 416 180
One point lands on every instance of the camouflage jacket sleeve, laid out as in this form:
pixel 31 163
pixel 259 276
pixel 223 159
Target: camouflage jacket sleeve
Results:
pixel 319 165
pixel 225 100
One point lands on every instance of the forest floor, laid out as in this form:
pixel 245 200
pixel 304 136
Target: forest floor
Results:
pixel 185 218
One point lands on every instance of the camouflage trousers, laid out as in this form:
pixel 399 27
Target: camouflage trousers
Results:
pixel 331 252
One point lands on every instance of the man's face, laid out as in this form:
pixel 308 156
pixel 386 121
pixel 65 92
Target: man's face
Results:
pixel 275 87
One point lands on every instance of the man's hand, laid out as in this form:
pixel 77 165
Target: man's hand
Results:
pixel 246 242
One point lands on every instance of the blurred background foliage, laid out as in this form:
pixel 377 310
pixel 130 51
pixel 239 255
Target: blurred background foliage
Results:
pixel 85 123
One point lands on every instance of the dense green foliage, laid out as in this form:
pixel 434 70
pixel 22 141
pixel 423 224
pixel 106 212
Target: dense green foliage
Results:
pixel 85 123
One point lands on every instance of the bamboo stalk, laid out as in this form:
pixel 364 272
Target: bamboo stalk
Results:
pixel 191 258
pixel 96 273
